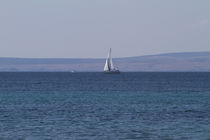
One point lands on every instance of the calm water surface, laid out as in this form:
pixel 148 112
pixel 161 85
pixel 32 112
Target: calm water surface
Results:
pixel 68 106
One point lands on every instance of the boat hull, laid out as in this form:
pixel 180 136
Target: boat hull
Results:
pixel 112 72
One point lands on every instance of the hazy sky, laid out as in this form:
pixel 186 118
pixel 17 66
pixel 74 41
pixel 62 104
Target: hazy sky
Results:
pixel 87 28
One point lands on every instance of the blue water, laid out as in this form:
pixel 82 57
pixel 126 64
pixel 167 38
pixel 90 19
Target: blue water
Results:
pixel 68 106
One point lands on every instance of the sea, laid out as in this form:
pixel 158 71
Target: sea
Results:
pixel 98 106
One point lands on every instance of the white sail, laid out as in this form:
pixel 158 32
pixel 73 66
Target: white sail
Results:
pixel 109 67
pixel 107 64
pixel 110 59
pixel 106 67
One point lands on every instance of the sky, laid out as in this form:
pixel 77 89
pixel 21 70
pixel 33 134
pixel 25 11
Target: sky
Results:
pixel 88 28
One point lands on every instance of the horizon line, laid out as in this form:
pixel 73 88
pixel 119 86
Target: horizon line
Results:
pixel 105 57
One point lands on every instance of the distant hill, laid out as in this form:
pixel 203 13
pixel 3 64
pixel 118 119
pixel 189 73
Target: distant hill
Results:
pixel 189 61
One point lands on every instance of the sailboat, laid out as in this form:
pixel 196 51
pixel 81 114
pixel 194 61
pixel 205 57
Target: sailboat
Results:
pixel 109 67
